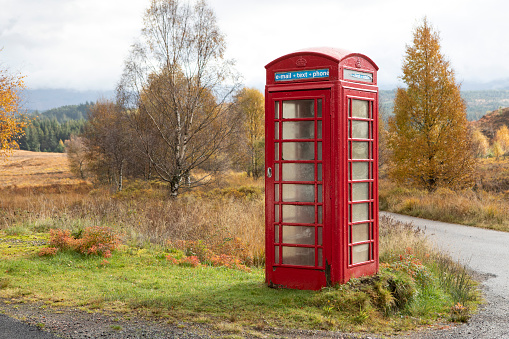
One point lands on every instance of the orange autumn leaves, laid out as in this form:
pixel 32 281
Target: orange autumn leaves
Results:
pixel 11 125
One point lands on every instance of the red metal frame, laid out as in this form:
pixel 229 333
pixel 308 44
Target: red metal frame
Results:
pixel 335 93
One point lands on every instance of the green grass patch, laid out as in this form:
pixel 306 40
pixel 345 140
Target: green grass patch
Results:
pixel 145 281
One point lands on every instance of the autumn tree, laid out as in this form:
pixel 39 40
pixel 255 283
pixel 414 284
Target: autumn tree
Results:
pixel 250 104
pixel 496 150
pixel 11 123
pixel 430 139
pixel 502 138
pixel 480 143
pixel 77 155
pixel 108 142
pixel 176 84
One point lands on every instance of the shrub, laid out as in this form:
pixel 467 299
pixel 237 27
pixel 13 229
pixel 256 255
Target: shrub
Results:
pixel 97 240
pixel 47 251
pixel 61 239
pixel 93 241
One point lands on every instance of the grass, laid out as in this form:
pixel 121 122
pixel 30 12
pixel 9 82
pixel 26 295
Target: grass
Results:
pixel 416 286
pixel 144 281
pixel 486 205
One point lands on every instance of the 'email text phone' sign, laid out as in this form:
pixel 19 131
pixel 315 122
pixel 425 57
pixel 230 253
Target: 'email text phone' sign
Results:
pixel 302 75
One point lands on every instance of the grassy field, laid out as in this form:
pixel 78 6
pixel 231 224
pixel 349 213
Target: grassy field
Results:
pixel 486 205
pixel 200 259
pixel 35 169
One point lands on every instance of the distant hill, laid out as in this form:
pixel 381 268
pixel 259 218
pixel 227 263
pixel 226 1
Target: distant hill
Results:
pixel 66 113
pixel 478 102
pixel 492 121
pixel 46 99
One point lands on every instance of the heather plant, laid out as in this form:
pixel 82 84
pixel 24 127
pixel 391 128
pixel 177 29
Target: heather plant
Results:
pixel 95 240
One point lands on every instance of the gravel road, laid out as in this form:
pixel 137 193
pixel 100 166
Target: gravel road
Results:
pixel 484 251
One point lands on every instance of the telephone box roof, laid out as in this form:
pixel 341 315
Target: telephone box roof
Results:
pixel 336 54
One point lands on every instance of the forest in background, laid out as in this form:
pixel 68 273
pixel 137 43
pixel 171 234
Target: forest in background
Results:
pixel 50 129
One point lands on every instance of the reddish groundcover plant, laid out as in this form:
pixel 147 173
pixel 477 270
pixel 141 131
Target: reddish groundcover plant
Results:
pixel 94 240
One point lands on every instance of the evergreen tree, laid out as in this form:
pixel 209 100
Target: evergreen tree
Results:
pixel 430 139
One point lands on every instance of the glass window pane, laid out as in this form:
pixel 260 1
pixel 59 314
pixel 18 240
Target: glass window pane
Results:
pixel 302 256
pixel 320 217
pixel 276 110
pixel 360 232
pixel 320 241
pixel 360 253
pixel 360 171
pixel 276 172
pixel 360 108
pixel 359 191
pixel 299 130
pixel 298 109
pixel 360 129
pixel 320 257
pixel 276 151
pixel 359 150
pixel 298 214
pixel 319 172
pixel 298 151
pixel 298 172
pixel 298 193
pixel 276 254
pixel 319 108
pixel 303 235
pixel 276 213
pixel 276 234
pixel 276 130
pixel 360 212
pixel 319 129
pixel 276 192
pixel 320 193
pixel 319 155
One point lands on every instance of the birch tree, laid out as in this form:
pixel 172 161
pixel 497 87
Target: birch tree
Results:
pixel 175 90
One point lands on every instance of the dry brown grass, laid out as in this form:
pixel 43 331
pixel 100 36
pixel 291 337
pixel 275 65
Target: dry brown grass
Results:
pixel 486 205
pixel 35 169
pixel 37 191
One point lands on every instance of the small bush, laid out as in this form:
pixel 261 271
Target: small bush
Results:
pixel 460 313
pixel 47 251
pixel 94 241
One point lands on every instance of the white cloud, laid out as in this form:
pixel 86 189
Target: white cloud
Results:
pixel 82 44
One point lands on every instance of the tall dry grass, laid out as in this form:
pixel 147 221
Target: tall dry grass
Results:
pixel 468 207
pixel 143 213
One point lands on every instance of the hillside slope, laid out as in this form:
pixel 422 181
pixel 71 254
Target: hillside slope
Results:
pixel 492 121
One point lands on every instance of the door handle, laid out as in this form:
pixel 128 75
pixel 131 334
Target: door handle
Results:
pixel 269 172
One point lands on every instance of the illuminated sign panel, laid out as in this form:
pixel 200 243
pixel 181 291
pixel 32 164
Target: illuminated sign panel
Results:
pixel 302 75
pixel 349 74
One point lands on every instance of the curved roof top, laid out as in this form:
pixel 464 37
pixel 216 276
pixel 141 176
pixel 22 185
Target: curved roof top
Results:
pixel 336 54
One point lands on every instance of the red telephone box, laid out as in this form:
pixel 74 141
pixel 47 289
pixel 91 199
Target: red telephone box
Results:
pixel 321 186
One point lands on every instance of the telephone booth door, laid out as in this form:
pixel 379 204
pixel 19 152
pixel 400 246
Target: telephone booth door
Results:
pixel 296 187
pixel 362 170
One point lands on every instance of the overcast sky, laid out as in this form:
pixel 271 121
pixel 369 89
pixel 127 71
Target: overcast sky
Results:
pixel 82 44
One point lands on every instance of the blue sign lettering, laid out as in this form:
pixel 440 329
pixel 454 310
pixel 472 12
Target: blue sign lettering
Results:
pixel 302 75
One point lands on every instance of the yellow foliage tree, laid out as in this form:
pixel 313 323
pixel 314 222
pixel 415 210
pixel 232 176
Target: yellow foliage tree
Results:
pixel 502 138
pixel 251 105
pixel 480 143
pixel 430 138
pixel 11 125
